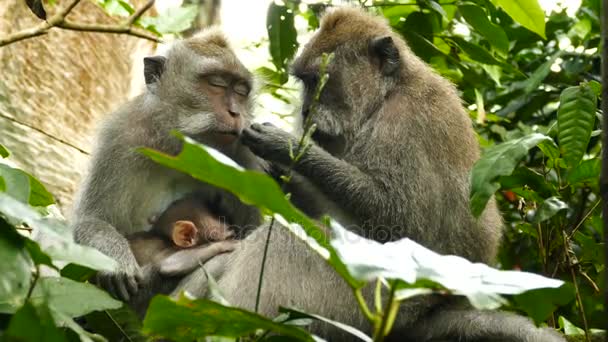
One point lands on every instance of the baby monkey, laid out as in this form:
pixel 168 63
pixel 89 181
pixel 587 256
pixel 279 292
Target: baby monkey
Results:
pixel 186 235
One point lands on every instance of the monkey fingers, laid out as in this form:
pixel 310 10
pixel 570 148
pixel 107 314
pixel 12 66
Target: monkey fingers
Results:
pixel 269 142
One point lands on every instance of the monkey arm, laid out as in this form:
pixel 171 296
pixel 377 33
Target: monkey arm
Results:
pixel 355 191
pixel 186 260
pixel 101 235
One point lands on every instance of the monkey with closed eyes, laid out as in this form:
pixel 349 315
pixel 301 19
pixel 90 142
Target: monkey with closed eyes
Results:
pixel 200 89
pixel 391 158
pixel 181 238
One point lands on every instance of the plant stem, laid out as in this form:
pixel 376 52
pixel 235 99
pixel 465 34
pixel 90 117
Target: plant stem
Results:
pixel 380 330
pixel 260 280
pixel 579 300
pixel 300 149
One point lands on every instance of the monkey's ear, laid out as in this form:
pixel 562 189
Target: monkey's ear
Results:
pixel 153 68
pixel 385 50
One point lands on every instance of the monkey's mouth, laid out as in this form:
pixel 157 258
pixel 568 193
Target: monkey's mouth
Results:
pixel 226 136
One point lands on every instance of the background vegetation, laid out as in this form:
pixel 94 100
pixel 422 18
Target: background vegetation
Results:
pixel 531 82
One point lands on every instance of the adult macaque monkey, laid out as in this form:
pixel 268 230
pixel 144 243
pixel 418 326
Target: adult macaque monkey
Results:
pixel 394 148
pixel 199 88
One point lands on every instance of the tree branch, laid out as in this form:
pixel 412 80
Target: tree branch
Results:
pixel 59 21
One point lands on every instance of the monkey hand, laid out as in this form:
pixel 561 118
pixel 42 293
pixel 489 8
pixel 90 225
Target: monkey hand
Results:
pixel 269 142
pixel 123 283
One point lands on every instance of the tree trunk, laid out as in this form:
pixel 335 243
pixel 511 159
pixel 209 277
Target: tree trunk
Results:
pixel 54 88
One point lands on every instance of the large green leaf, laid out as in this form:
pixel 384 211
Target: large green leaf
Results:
pixel 188 320
pixel 539 75
pixel 71 298
pixel 294 314
pixel 587 172
pixel 15 267
pixel 282 36
pixel 539 304
pixel 475 52
pixel 498 160
pixel 59 243
pixel 477 17
pixel 24 187
pixel 121 324
pixel 175 19
pixel 251 187
pixel 32 323
pixel 549 208
pixel 526 12
pixel 575 120
pixel 479 283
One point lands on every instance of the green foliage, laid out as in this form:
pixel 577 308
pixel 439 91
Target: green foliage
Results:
pixel 575 121
pixel 525 87
pixel 172 21
pixel 499 160
pixel 187 320
pixel 282 36
pixel 526 12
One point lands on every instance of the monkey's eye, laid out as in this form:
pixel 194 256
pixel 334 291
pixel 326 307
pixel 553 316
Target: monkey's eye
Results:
pixel 241 89
pixel 217 81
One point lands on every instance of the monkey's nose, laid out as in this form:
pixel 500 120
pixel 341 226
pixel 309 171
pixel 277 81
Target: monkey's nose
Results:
pixel 234 114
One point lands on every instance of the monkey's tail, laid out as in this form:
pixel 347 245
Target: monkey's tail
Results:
pixel 477 325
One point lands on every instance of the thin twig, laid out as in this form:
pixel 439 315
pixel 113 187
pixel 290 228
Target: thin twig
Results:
pixel 67 143
pixel 580 223
pixel 36 275
pixel 59 21
pixel 579 300
pixel 137 14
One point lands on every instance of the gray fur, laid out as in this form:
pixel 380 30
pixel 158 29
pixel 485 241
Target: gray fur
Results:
pixel 124 189
pixel 394 151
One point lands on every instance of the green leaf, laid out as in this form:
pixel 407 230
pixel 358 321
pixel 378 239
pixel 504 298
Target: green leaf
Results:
pixel 252 188
pixel 581 29
pixel 575 120
pixel 116 7
pixel 37 8
pixel 121 324
pixel 295 314
pixel 539 75
pixel 24 187
pixel 4 153
pixel 526 12
pixel 16 269
pixel 588 171
pixel 77 272
pixel 32 323
pixel 481 284
pixel 477 17
pixel 282 35
pixel 187 320
pixel 60 245
pixel 569 328
pixel 548 209
pixel 71 298
pixel 432 4
pixel 175 19
pixel 539 304
pixel 498 160
pixel 475 52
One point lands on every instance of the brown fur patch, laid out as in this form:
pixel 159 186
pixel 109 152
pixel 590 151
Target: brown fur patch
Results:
pixel 210 42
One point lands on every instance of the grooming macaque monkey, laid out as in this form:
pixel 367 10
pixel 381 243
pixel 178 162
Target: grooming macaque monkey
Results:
pixel 392 155
pixel 200 89
pixel 181 238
